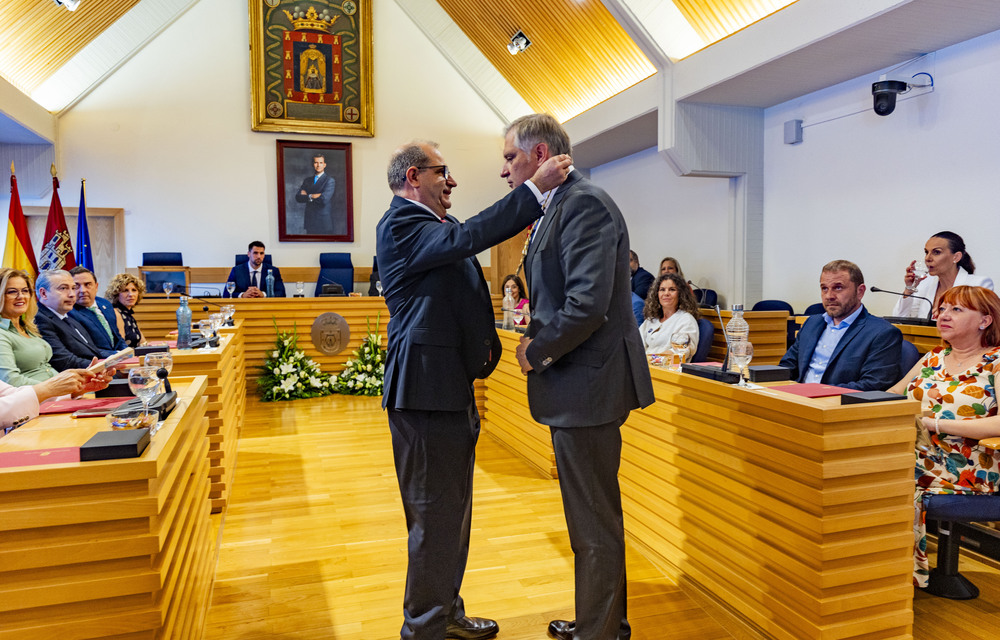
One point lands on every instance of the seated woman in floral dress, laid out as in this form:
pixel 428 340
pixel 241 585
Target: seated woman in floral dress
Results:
pixel 955 382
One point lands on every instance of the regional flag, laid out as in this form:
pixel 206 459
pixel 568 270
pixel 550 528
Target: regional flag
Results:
pixel 17 252
pixel 57 252
pixel 84 257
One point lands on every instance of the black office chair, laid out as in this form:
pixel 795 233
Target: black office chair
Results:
pixel 814 309
pixel 163 259
pixel 706 332
pixel 335 268
pixel 242 258
pixel 951 512
pixel 908 357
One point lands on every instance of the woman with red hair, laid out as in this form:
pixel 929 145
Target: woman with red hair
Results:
pixel 955 382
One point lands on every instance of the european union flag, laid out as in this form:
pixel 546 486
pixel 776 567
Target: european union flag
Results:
pixel 84 257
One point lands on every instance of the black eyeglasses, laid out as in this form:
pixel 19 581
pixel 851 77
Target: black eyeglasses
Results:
pixel 443 167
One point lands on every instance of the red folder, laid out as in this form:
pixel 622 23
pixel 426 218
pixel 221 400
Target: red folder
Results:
pixel 87 404
pixel 35 457
pixel 813 389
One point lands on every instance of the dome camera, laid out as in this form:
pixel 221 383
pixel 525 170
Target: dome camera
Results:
pixel 885 95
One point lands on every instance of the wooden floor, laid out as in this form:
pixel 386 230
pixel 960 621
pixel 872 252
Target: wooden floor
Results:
pixel 313 544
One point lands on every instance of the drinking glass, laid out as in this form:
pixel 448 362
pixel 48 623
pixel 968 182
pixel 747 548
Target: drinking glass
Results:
pixel 679 346
pixel 741 353
pixel 300 288
pixel 160 360
pixel 167 288
pixel 142 381
pixel 218 319
pixel 919 270
pixel 205 329
pixel 228 311
pixel 378 286
pixel 230 287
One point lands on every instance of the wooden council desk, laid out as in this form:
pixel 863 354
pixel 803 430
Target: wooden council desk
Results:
pixel 793 515
pixel 114 548
pixel 157 317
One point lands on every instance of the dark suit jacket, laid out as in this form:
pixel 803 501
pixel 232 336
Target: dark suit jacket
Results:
pixel 318 217
pixel 240 274
pixel 642 280
pixel 72 345
pixel 87 318
pixel 866 358
pixel 588 360
pixel 442 332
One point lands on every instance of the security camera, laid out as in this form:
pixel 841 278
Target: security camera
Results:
pixel 885 95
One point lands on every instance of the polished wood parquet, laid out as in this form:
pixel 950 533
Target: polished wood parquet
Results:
pixel 313 544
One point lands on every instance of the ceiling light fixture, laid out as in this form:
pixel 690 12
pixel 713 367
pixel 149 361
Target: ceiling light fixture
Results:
pixel 70 5
pixel 518 43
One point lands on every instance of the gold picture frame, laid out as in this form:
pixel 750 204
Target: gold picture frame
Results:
pixel 311 66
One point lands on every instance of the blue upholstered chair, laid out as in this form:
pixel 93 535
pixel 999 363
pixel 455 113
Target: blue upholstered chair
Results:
pixel 908 357
pixel 780 305
pixel 814 309
pixel 951 512
pixel 706 331
pixel 162 259
pixel 335 268
pixel 706 297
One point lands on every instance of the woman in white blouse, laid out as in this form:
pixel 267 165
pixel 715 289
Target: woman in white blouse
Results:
pixel 948 265
pixel 670 308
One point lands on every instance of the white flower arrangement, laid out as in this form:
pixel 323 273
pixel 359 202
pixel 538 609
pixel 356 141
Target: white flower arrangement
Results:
pixel 363 374
pixel 288 374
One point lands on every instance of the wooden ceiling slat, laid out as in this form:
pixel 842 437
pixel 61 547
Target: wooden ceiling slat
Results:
pixel 37 39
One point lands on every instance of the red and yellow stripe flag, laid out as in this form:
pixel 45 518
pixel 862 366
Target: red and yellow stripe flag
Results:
pixel 17 251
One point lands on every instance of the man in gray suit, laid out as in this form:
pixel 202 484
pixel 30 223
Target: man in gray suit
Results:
pixel 585 366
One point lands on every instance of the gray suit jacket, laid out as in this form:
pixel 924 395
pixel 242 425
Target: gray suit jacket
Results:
pixel 588 360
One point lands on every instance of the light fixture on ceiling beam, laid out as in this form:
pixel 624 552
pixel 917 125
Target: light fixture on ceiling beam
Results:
pixel 518 43
pixel 70 5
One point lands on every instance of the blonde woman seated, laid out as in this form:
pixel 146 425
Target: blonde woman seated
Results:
pixel 24 355
pixel 955 382
pixel 670 308
pixel 125 291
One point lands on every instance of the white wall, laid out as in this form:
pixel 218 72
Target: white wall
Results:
pixel 687 218
pixel 168 138
pixel 872 189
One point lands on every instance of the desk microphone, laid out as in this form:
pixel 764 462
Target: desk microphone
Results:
pixel 725 361
pixel 930 315
pixel 329 281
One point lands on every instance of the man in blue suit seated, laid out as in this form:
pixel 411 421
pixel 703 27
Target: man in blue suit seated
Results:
pixel 94 312
pixel 72 345
pixel 442 336
pixel 251 278
pixel 846 346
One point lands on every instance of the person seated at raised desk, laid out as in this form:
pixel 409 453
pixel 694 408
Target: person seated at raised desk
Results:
pixel 670 309
pixel 251 279
pixel 948 265
pixel 125 291
pixel 520 301
pixel 24 355
pixel 846 346
pixel 955 383
pixel 642 280
pixel 72 345
pixel 95 312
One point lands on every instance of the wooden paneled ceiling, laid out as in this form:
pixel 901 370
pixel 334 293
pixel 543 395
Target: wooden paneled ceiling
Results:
pixel 713 20
pixel 579 55
pixel 38 36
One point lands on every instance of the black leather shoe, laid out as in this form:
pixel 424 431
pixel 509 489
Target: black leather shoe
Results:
pixel 562 629
pixel 469 628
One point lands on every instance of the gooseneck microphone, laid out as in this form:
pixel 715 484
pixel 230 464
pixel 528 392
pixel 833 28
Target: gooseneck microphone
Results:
pixel 930 303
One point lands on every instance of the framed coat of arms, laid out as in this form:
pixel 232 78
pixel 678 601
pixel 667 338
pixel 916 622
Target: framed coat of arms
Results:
pixel 311 66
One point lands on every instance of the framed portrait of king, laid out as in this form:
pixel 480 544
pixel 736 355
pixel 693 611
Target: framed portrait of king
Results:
pixel 311 66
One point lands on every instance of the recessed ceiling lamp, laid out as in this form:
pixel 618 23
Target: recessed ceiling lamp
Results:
pixel 70 5
pixel 517 44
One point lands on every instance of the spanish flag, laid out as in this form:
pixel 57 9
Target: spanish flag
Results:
pixel 17 252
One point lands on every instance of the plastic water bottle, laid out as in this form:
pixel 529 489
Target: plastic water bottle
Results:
pixel 737 329
pixel 184 324
pixel 508 308
pixel 270 283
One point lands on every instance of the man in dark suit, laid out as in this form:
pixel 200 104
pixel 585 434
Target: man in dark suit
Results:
pixel 72 345
pixel 94 312
pixel 585 365
pixel 846 346
pixel 251 278
pixel 642 280
pixel 442 336
pixel 316 192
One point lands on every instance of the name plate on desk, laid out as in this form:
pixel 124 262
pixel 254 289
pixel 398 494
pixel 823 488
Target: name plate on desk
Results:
pixel 769 373
pixel 113 445
pixel 711 372
pixel 870 396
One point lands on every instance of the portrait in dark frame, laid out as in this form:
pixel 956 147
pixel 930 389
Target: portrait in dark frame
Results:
pixel 315 202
